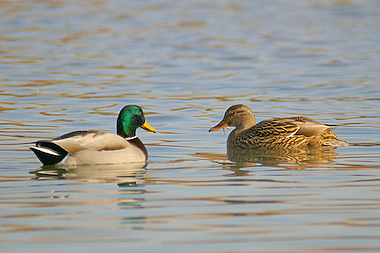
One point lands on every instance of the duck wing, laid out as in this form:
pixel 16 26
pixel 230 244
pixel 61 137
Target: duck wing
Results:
pixel 271 133
pixel 309 127
pixel 51 152
pixel 274 127
pixel 90 140
pixel 291 126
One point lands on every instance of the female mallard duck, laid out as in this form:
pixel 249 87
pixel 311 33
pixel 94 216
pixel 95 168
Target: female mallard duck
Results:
pixel 94 147
pixel 293 132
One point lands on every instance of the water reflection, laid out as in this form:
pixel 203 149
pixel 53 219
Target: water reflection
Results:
pixel 122 174
pixel 275 157
pixel 282 158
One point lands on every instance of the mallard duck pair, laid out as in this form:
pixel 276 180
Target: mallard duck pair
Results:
pixel 94 147
pixel 286 133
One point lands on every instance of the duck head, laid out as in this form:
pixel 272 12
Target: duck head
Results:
pixel 239 116
pixel 130 118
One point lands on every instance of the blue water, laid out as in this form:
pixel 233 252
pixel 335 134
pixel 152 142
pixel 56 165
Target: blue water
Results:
pixel 72 65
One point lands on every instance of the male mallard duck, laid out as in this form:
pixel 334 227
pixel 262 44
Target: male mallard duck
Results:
pixel 94 147
pixel 293 132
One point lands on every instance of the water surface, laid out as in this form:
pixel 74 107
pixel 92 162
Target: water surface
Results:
pixel 72 65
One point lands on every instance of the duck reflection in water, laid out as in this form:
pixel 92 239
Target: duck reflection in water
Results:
pixel 281 158
pixel 303 158
pixel 128 174
pixel 130 178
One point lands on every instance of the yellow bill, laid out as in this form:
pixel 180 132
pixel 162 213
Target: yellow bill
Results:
pixel 149 128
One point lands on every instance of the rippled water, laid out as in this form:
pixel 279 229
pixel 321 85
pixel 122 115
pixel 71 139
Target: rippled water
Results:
pixel 72 65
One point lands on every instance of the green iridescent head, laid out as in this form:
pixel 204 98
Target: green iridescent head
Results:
pixel 130 118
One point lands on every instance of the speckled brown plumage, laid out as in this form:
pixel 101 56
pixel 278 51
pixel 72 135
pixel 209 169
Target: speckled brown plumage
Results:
pixel 292 132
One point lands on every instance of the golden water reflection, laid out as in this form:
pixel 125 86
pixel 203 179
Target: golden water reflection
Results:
pixel 301 159
pixel 120 174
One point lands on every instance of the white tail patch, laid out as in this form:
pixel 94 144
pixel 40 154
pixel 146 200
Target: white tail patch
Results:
pixel 46 150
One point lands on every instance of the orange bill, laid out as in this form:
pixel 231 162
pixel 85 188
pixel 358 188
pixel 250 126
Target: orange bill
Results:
pixel 149 128
pixel 221 125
